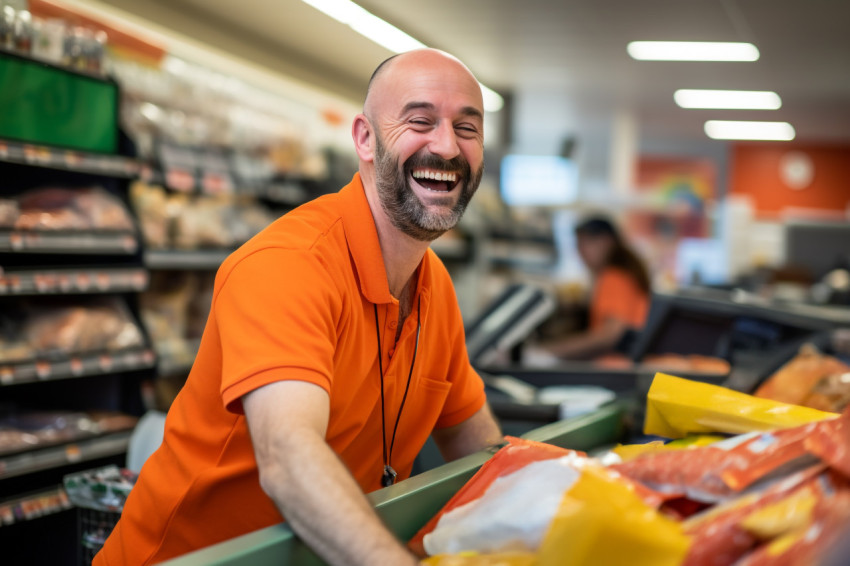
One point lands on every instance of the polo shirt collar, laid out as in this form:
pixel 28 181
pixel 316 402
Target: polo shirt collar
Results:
pixel 363 244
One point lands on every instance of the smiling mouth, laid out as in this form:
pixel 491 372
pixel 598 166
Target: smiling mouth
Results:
pixel 435 180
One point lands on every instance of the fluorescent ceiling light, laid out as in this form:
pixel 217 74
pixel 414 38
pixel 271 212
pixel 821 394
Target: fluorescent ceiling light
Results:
pixel 692 51
pixel 732 130
pixel 386 35
pixel 728 99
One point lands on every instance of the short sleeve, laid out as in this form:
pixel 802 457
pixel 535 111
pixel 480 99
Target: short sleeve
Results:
pixel 276 313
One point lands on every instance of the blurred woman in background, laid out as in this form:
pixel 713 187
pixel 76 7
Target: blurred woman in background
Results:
pixel 619 297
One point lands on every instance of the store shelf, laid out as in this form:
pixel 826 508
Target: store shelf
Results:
pixel 72 281
pixel 185 259
pixel 104 446
pixel 68 160
pixel 34 505
pixel 66 242
pixel 104 363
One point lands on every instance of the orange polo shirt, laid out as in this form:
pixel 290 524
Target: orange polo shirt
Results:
pixel 296 303
pixel 617 295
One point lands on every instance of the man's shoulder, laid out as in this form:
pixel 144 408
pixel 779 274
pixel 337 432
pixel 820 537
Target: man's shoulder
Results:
pixel 313 229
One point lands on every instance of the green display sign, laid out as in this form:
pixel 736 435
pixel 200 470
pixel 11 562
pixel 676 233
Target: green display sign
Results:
pixel 42 104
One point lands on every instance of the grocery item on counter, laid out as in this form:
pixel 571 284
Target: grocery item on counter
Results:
pixel 692 363
pixel 676 407
pixel 66 327
pixel 603 520
pixel 811 379
pixel 54 208
pixel 784 494
pixel 27 430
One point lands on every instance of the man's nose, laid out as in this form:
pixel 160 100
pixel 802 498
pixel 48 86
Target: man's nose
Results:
pixel 444 141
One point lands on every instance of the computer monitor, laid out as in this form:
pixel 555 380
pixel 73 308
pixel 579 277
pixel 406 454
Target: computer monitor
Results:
pixel 817 247
pixel 538 180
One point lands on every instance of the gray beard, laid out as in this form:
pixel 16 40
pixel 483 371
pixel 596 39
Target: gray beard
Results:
pixel 403 207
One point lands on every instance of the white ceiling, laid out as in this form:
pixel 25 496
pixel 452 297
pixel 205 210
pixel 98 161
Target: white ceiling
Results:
pixel 575 51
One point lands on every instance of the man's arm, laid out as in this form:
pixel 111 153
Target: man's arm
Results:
pixel 310 486
pixel 589 344
pixel 475 433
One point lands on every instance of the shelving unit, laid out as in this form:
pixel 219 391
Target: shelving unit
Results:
pixel 48 281
pixel 38 267
pixel 68 160
pixel 114 444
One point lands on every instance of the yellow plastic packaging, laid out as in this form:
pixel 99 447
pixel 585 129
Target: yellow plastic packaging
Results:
pixel 676 407
pixel 628 452
pixel 602 522
pixel 790 514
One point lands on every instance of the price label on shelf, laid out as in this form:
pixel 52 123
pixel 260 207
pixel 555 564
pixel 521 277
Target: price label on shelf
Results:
pixel 105 361
pixel 16 241
pixel 43 369
pixel 7 375
pixel 73 453
pixel 76 365
pixel 72 159
pixel 4 150
pixel 30 153
pixel 83 281
pixel 103 281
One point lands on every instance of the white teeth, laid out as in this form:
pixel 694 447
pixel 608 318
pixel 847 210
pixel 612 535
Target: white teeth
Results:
pixel 435 175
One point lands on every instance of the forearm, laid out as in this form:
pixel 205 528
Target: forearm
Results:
pixel 583 346
pixel 325 506
pixel 476 433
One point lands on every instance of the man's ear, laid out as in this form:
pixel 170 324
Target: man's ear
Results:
pixel 364 138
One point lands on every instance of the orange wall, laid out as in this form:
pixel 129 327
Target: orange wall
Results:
pixel 755 173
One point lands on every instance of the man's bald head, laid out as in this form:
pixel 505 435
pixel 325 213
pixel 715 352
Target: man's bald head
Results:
pixel 402 63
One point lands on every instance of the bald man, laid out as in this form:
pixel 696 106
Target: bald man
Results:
pixel 333 349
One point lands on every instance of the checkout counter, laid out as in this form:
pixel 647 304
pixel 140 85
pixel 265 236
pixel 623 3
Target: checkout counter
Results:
pixel 755 338
pixel 409 505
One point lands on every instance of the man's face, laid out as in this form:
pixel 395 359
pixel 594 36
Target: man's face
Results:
pixel 429 145
pixel 426 219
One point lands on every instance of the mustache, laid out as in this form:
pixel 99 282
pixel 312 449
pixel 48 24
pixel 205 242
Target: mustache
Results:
pixel 432 161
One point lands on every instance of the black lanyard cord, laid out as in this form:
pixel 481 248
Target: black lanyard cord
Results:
pixel 389 474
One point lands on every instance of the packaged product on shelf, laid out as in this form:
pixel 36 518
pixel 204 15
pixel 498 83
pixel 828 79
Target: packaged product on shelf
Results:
pixel 22 430
pixel 9 212
pixel 811 379
pixel 64 327
pixel 202 223
pixel 151 205
pixel 14 440
pixel 165 311
pixel 82 327
pixel 55 208
pixel 246 220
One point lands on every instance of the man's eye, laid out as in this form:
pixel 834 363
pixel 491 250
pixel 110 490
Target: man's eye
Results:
pixel 419 122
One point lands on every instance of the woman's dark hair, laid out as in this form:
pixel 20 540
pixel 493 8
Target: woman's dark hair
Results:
pixel 622 255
